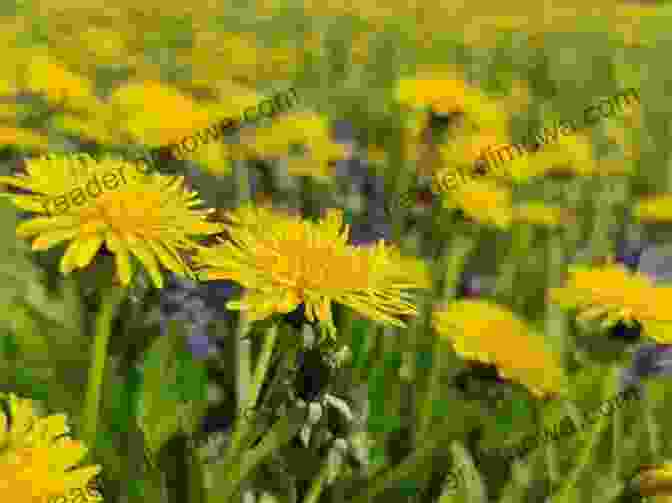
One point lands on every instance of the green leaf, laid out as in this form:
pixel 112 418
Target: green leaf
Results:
pixel 174 391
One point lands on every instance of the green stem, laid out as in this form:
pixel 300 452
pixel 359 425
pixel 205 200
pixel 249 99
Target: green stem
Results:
pixel 110 301
pixel 278 436
pixel 387 478
pixel 242 426
pixel 520 244
pixel 318 484
pixel 450 267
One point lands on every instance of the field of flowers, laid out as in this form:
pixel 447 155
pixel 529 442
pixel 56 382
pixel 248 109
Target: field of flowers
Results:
pixel 300 308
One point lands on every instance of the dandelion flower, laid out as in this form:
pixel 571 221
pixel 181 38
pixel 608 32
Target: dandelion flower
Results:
pixel 284 262
pixel 142 109
pixel 656 208
pixel 46 76
pixel 656 480
pixel 537 213
pixel 38 457
pixel 491 334
pixel 24 138
pixel 482 201
pixel 446 93
pixel 148 216
pixel 614 293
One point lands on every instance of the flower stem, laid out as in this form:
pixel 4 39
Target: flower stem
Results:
pixel 387 478
pixel 242 425
pixel 111 299
pixel 279 435
pixel 318 484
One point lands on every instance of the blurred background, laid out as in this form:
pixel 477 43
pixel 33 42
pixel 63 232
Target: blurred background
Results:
pixel 388 95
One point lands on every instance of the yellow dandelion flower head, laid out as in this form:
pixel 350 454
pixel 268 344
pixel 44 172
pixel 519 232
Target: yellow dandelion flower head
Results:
pixel 445 93
pixel 655 480
pixel 656 208
pixel 300 128
pixel 91 203
pixel 466 149
pixel 376 153
pixel 284 261
pixel 106 45
pixel 142 110
pixel 317 161
pixel 412 134
pixel 538 213
pixel 38 458
pixel 57 83
pixel 486 332
pixel 97 129
pixel 519 98
pixel 573 152
pixel 612 291
pixel 234 98
pixel 483 201
pixel 214 157
pixel 24 138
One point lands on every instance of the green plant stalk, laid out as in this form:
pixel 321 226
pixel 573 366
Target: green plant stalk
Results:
pixel 520 242
pixel 388 477
pixel 451 265
pixel 279 435
pixel 317 484
pixel 611 195
pixel 563 495
pixel 242 348
pixel 242 427
pixel 111 299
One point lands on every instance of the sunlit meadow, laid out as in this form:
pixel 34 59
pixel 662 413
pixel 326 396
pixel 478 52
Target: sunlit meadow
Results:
pixel 301 310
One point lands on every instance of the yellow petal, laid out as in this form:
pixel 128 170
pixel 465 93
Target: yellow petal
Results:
pixel 88 249
pixel 45 224
pixel 49 239
pixel 146 257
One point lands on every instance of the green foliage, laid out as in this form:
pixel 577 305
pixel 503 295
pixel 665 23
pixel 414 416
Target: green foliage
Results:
pixel 174 390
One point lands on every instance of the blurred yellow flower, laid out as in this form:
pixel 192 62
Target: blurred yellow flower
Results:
pixel 485 202
pixel 656 208
pixel 149 216
pixel 39 459
pixel 319 163
pixel 572 152
pixel 466 149
pixel 540 214
pixel 446 92
pixel 612 292
pixel 304 128
pixel 44 75
pixel 214 157
pixel 154 114
pixel 96 129
pixel 656 481
pixel 23 138
pixel 105 45
pixel 284 261
pixel 489 333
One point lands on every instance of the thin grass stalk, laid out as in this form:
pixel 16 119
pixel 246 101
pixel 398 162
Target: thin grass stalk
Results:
pixel 242 347
pixel 522 235
pixel 278 436
pixel 111 299
pixel 449 266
